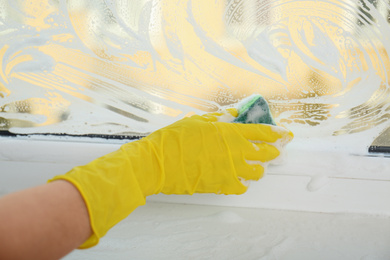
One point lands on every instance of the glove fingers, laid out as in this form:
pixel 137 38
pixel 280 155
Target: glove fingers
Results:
pixel 250 165
pixel 212 117
pixel 251 170
pixel 232 111
pixel 221 184
pixel 262 152
pixel 235 187
pixel 262 132
pixel 226 116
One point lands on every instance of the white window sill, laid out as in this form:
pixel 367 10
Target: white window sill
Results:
pixel 316 181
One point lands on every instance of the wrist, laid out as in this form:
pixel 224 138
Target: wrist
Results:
pixel 146 163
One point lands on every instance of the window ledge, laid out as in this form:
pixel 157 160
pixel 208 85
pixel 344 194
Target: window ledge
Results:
pixel 316 181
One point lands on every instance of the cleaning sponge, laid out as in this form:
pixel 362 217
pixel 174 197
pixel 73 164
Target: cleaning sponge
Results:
pixel 254 111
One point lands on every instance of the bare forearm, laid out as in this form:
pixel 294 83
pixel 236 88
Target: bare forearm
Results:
pixel 45 222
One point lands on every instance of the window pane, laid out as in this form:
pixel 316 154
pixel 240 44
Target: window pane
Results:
pixel 81 67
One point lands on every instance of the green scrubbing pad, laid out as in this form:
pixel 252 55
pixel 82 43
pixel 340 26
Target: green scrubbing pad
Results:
pixel 255 111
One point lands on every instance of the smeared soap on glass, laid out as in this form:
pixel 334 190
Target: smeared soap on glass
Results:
pixel 251 110
pixel 254 110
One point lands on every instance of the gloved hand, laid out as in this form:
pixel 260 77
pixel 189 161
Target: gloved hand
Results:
pixel 196 154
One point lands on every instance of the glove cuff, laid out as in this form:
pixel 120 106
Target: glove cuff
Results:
pixel 110 190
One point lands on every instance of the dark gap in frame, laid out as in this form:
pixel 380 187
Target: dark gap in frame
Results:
pixel 103 136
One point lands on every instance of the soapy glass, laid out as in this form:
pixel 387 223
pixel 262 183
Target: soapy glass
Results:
pixel 127 68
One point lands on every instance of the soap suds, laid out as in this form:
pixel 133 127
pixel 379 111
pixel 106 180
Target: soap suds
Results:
pixel 129 68
pixel 317 182
pixel 201 232
pixel 138 67
pixel 256 112
pixel 256 147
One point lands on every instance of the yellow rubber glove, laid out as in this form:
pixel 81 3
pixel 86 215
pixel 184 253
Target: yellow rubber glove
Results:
pixel 196 154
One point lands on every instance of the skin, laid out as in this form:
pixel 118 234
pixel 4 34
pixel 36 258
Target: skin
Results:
pixel 45 222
